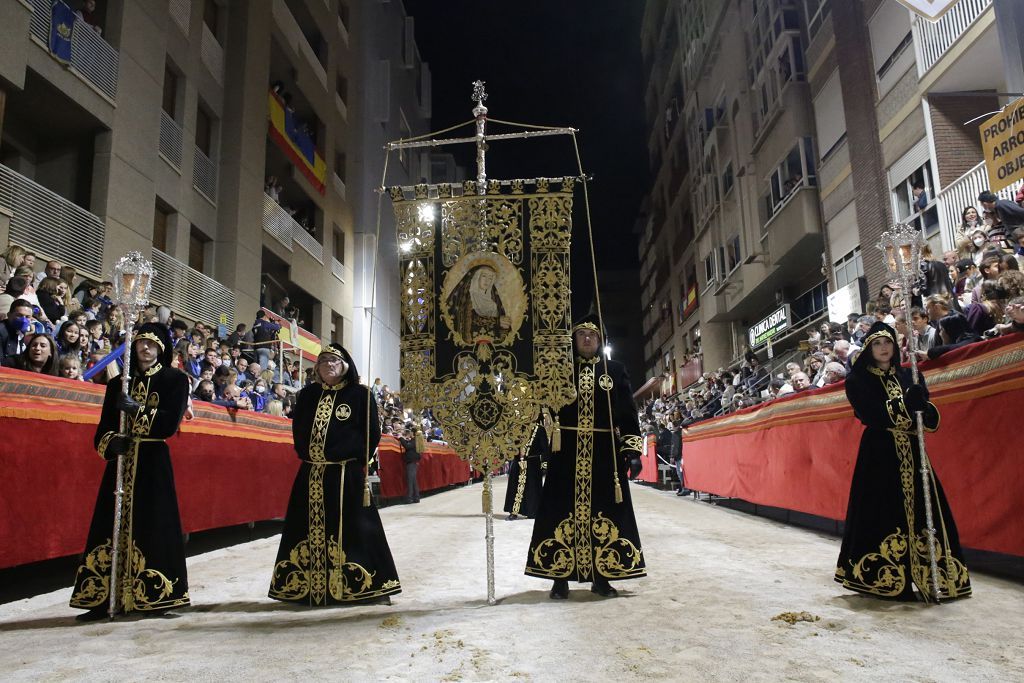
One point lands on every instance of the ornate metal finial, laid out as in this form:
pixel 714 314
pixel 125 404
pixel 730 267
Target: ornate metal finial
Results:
pixel 479 93
pixel 133 279
pixel 902 245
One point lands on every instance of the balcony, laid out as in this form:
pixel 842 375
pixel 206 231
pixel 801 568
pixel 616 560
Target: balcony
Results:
pixel 341 271
pixel 963 192
pixel 51 225
pixel 287 231
pixel 933 39
pixel 170 141
pixel 181 13
pixel 204 176
pixel 92 58
pixel 296 39
pixel 793 234
pixel 188 291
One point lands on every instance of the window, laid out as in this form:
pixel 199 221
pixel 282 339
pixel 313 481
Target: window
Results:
pixel 829 115
pixel 816 11
pixel 891 36
pixel 728 180
pixel 339 244
pixel 160 228
pixel 204 131
pixel 848 268
pixel 811 302
pixel 914 200
pixel 340 160
pixel 794 172
pixel 170 95
pixel 733 254
pixel 197 242
pixel 710 272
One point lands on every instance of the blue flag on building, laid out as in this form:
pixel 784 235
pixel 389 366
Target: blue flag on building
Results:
pixel 62 19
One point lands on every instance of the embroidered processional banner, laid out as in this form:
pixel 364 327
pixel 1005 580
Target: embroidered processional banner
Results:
pixel 486 321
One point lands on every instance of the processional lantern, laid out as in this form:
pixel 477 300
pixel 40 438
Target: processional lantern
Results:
pixel 133 280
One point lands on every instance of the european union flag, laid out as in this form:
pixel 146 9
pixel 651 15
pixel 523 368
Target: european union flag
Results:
pixel 62 19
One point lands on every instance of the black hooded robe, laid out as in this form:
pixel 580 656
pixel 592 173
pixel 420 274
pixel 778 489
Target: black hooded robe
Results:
pixel 333 549
pixel 886 499
pixel 580 531
pixel 152 574
pixel 525 476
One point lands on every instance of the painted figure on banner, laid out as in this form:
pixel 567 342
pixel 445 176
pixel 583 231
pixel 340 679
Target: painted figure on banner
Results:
pixel 585 529
pixel 885 544
pixel 151 553
pixel 525 475
pixel 333 548
pixel 476 306
pixel 485 299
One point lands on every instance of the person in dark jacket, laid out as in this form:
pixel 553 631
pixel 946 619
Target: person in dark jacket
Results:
pixel 411 457
pixel 954 331
pixel 263 333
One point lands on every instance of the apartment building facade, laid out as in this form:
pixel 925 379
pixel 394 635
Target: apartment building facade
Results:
pixel 805 126
pixel 158 130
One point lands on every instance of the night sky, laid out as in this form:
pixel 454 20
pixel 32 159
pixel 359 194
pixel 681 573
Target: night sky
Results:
pixel 565 63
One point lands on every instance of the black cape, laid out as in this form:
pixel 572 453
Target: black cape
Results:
pixel 525 476
pixel 329 426
pixel 886 498
pixel 580 530
pixel 151 572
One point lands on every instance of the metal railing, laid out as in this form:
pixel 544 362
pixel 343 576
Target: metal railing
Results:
pixel 961 193
pixel 204 175
pixel 277 222
pixel 185 289
pixel 92 58
pixel 340 270
pixel 50 224
pixel 307 242
pixel 181 13
pixel 212 54
pixel 170 140
pixel 933 39
pixel 339 185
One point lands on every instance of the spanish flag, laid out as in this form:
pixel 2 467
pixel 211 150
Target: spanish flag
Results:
pixel 297 144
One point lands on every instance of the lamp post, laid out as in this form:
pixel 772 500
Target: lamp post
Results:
pixel 902 245
pixel 133 279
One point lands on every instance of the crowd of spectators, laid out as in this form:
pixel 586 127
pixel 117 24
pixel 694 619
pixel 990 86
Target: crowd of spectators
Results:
pixel 975 292
pixel 402 422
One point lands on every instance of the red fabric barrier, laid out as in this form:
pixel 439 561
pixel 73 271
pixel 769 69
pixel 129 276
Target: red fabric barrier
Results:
pixel 439 467
pixel 798 453
pixel 229 467
pixel 649 459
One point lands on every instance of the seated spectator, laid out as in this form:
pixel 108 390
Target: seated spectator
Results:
pixel 242 366
pixel 1015 313
pixel 69 340
pixel 13 331
pixel 70 366
pixel 937 307
pixel 232 398
pixel 983 316
pixel 204 391
pixel 14 258
pixel 927 335
pixel 801 382
pixel 40 355
pixel 51 293
pixel 52 269
pixel 954 332
pixel 15 290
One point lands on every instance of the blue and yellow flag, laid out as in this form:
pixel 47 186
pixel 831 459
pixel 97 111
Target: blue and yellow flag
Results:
pixel 62 19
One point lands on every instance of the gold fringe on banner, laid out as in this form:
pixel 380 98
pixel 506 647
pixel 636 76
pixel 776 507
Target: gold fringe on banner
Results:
pixel 556 437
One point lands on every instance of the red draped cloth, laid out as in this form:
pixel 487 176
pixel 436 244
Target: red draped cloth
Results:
pixel 230 467
pixel 798 452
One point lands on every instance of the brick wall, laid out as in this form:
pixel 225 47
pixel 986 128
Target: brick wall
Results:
pixel 857 74
pixel 957 147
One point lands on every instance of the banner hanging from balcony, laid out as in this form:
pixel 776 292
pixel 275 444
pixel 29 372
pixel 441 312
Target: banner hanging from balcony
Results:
pixel 62 19
pixel 486 321
pixel 288 132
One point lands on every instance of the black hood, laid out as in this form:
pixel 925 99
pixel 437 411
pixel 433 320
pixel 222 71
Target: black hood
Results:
pixel 161 335
pixel 865 359
pixel 352 376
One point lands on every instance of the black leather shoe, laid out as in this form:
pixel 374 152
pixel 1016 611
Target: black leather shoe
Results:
pixel 95 614
pixel 604 589
pixel 560 590
pixel 511 518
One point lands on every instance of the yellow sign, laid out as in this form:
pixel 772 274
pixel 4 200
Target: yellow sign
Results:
pixel 1002 140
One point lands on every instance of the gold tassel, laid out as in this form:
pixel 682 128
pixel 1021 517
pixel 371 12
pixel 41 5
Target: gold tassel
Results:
pixel 366 495
pixel 421 442
pixel 556 438
pixel 618 490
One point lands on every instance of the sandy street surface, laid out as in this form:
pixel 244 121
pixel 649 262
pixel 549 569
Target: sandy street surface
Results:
pixel 717 578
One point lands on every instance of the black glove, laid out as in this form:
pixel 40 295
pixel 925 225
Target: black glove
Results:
pixel 127 404
pixel 117 445
pixel 914 398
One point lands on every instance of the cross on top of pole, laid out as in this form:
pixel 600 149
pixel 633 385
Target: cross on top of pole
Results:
pixel 479 96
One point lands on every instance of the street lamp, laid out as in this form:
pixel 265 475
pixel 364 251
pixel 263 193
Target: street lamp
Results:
pixel 902 245
pixel 133 279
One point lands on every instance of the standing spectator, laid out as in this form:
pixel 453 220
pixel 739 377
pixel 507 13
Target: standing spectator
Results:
pixel 989 271
pixel 14 258
pixel 264 333
pixel 411 458
pixel 927 335
pixel 235 338
pixel 51 293
pixel 984 315
pixel 15 290
pixel 1010 214
pixel 52 269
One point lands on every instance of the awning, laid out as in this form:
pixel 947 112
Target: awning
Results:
pixel 650 388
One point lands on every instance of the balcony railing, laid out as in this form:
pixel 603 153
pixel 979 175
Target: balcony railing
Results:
pixel 277 222
pixel 188 291
pixel 961 193
pixel 307 242
pixel 287 231
pixel 212 54
pixel 933 39
pixel 170 140
pixel 92 58
pixel 50 224
pixel 204 175
pixel 340 270
pixel 181 13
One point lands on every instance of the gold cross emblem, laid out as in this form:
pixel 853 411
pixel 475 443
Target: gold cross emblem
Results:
pixel 605 383
pixel 343 412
